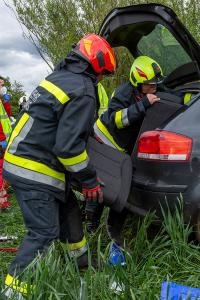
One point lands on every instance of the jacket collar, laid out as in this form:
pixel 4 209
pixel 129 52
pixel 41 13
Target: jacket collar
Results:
pixel 77 65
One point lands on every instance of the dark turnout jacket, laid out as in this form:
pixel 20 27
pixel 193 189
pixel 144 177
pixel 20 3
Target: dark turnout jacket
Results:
pixel 120 124
pixel 50 135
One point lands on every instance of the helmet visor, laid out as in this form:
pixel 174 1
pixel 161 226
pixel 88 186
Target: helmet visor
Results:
pixel 158 78
pixel 155 80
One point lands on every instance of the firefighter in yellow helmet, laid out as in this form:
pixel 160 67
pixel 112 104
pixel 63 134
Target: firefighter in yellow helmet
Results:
pixel 47 146
pixel 119 125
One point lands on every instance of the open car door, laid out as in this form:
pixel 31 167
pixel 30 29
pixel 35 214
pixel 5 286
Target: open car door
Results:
pixel 155 30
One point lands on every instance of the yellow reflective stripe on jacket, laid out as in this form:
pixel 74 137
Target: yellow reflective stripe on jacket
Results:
pixel 118 119
pixel 5 121
pixel 75 163
pixel 187 97
pixel 74 160
pixel 33 165
pixel 17 285
pixel 105 131
pixel 76 246
pixel 27 163
pixel 61 96
pixel 24 118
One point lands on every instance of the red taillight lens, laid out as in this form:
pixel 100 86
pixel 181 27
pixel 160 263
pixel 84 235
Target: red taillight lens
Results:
pixel 164 145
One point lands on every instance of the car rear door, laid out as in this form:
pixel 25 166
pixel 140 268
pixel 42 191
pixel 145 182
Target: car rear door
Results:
pixel 155 30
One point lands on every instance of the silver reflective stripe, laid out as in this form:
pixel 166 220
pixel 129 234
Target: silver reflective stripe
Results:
pixel 125 120
pixel 21 136
pixel 32 175
pixel 78 252
pixel 12 294
pixel 78 167
pixel 104 139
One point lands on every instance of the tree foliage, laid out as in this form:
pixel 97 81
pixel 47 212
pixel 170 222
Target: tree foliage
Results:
pixel 16 91
pixel 54 25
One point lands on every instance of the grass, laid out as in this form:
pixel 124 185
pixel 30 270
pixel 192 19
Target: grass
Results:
pixel 11 223
pixel 165 255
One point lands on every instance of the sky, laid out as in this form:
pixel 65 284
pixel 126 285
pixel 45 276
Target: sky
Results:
pixel 19 59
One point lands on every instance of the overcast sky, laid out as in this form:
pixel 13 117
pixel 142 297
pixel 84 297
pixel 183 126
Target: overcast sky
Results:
pixel 18 58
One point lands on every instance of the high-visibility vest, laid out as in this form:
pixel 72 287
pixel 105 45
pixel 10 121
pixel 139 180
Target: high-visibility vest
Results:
pixel 103 99
pixel 5 121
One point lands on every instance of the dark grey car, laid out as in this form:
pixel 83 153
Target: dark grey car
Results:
pixel 166 158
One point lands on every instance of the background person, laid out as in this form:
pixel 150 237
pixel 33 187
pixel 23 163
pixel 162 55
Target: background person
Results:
pixel 5 131
pixel 22 102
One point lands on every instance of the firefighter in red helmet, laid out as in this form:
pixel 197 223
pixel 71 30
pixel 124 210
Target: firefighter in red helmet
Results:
pixel 48 145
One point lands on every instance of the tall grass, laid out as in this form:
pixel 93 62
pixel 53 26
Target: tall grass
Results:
pixel 11 224
pixel 166 256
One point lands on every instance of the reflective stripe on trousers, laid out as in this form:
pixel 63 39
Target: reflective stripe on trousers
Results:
pixel 76 249
pixel 16 284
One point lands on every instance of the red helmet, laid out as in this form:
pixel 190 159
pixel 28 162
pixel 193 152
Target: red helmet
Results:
pixel 97 52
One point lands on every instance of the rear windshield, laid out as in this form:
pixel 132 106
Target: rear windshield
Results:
pixel 161 45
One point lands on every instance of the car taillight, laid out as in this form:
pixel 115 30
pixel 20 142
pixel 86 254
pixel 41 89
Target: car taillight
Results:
pixel 164 145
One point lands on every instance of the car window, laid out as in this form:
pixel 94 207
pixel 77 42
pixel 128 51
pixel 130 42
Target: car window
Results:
pixel 161 45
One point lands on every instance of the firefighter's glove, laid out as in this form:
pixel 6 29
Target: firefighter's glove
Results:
pixel 94 194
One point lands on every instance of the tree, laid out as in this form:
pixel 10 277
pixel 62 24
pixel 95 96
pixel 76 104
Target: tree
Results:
pixel 54 25
pixel 16 91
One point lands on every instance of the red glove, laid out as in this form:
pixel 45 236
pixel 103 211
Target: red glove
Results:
pixel 94 194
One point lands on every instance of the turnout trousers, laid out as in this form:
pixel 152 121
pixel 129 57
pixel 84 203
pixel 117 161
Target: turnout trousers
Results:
pixel 46 219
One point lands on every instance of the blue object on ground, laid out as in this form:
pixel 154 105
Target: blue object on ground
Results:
pixel 174 291
pixel 116 256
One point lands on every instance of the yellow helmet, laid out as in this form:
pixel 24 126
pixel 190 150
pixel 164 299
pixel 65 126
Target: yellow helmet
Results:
pixel 145 70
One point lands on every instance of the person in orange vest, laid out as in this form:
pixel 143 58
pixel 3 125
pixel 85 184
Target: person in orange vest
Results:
pixel 5 131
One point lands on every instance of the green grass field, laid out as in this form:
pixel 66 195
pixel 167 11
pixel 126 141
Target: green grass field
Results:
pixel 11 223
pixel 166 255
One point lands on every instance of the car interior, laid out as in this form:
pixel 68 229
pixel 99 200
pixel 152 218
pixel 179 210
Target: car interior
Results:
pixel 156 41
pixel 180 72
